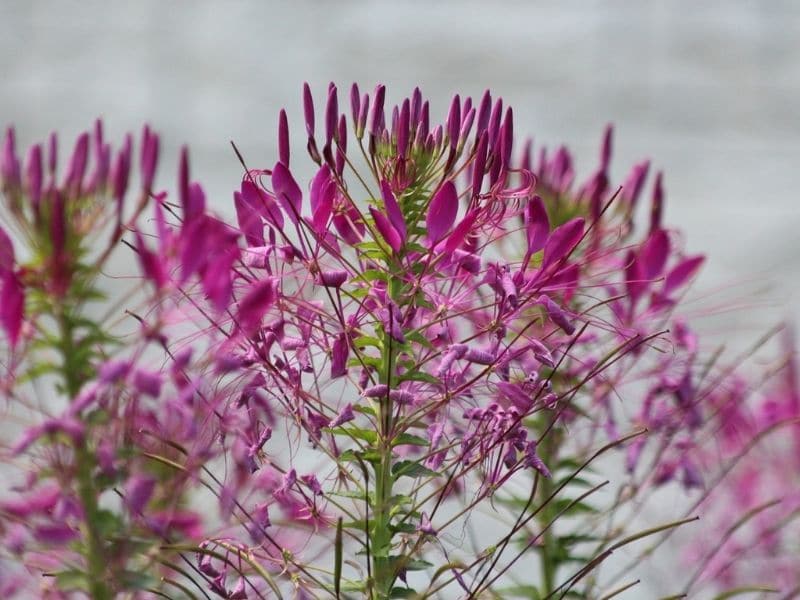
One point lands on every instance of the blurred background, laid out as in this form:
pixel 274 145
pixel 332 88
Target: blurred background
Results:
pixel 709 91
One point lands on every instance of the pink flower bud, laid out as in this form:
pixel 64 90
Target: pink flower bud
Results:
pixel 376 118
pixel 149 158
pixel 34 175
pixel 454 121
pixel 283 138
pixel 331 115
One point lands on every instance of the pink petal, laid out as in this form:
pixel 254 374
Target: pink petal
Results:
pixel 339 354
pixel 249 221
pixel 684 271
pixel 657 206
pixel 654 253
pixel 262 202
pixel 283 138
pixel 308 109
pixel 442 212
pixel 12 305
pixel 479 164
pixel 461 232
pixel 6 252
pixel 537 224
pixel 393 209
pixel 562 241
pixel 287 191
pixel 384 227
pixel 152 265
pixel 138 492
pixel 258 300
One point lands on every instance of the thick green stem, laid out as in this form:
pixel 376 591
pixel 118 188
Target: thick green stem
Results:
pixel 383 569
pixel 72 372
pixel 383 572
pixel 549 539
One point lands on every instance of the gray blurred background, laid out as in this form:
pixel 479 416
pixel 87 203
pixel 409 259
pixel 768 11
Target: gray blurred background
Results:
pixel 708 90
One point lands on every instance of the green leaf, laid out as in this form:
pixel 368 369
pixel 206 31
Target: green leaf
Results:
pixel 366 435
pixel 411 468
pixel 402 528
pixel 373 274
pixel 367 340
pixel 418 338
pixel 414 375
pixel 530 592
pixel 750 589
pixel 401 592
pixel 107 523
pixel 576 508
pixel 409 564
pixel 408 439
pixel 72 580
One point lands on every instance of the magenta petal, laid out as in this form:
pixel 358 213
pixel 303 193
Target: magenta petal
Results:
pixel 56 534
pixel 149 158
pixel 634 280
pixel 6 252
pixel 349 226
pixel 34 172
pixel 657 206
pixel 138 492
pixel 442 212
pixel 393 209
pixel 605 150
pixel 507 138
pixel 479 165
pixel 376 118
pixel 461 231
pixel 261 296
pixel 249 221
pixel 12 305
pixel 193 254
pixel 121 171
pixel 386 230
pixel 484 109
pixel 403 128
pixel 152 265
pixel 331 114
pixel 562 241
pixel 355 103
pixel 454 121
pixel 515 394
pixel 322 195
pixel 262 202
pixel 283 138
pixel 308 109
pixel 183 185
pixel 537 224
pixel 681 273
pixel 339 354
pixel 634 183
pixel 654 253
pixel 287 191
pixel 77 166
pixel 321 179
pixel 557 314
pixel 197 199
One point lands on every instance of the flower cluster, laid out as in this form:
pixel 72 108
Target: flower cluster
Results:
pixel 316 400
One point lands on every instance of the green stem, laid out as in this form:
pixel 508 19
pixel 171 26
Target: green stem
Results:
pixel 72 372
pixel 548 550
pixel 381 534
pixel 383 570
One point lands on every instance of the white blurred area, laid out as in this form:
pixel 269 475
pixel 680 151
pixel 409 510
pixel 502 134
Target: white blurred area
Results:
pixel 708 90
